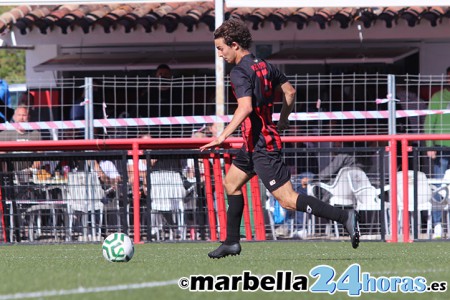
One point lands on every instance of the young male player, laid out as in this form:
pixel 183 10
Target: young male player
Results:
pixel 254 82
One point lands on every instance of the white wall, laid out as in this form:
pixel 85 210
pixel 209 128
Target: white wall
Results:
pixel 38 55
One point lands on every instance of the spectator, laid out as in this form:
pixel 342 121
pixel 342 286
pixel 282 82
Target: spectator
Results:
pixel 439 124
pixel 162 98
pixel 115 200
pixel 327 175
pixel 142 169
pixel 39 113
pixel 195 204
pixel 20 167
pixel 167 190
pixel 21 115
pixel 409 100
pixel 78 109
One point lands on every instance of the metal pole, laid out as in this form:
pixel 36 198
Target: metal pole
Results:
pixel 393 156
pixel 88 108
pixel 220 70
pixel 89 135
pixel 391 104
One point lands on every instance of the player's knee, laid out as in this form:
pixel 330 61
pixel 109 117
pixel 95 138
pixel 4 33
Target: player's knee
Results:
pixel 230 189
pixel 286 203
pixel 283 203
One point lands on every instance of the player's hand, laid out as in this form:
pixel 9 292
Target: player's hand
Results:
pixel 214 143
pixel 283 125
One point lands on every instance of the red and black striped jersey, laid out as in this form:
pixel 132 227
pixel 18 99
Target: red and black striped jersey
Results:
pixel 258 79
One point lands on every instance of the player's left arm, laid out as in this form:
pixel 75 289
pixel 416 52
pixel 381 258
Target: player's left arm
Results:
pixel 288 104
pixel 243 110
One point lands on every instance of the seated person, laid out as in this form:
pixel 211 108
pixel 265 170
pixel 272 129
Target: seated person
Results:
pixel 39 113
pixel 167 191
pixel 338 161
pixel 21 114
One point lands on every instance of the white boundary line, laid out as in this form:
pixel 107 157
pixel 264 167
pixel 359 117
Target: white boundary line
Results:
pixel 82 290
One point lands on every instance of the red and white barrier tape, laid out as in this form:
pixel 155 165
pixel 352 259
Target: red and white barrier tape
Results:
pixel 132 122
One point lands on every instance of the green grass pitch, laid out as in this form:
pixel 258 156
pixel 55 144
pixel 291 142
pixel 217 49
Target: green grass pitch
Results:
pixel 79 271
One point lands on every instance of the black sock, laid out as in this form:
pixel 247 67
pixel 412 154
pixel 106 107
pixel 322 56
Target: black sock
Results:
pixel 234 216
pixel 321 209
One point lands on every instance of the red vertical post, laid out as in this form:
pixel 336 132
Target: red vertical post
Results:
pixel 246 214
pixel 210 200
pixel 405 187
pixel 2 216
pixel 136 194
pixel 258 216
pixel 220 196
pixel 227 160
pixel 394 211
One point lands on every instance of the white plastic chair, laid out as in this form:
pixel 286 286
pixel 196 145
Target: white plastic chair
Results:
pixel 167 194
pixel 423 197
pixel 84 194
pixel 341 193
pixel 366 195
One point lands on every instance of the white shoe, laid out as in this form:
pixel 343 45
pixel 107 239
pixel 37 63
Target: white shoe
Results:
pixel 437 231
pixel 301 234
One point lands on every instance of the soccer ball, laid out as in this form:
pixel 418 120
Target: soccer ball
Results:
pixel 118 247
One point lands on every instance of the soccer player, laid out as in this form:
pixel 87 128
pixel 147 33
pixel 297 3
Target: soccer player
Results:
pixel 254 82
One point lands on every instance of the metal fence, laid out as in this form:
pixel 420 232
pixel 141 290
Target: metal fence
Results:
pixel 85 195
pixel 325 104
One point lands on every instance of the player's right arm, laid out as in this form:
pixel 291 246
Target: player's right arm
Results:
pixel 243 110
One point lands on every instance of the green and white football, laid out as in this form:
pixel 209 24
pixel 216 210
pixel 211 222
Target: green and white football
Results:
pixel 118 247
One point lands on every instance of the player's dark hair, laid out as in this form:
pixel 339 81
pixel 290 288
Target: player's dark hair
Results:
pixel 234 30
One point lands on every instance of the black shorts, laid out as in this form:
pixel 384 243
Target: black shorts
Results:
pixel 269 167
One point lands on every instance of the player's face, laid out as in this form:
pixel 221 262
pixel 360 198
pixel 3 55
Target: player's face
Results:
pixel 226 52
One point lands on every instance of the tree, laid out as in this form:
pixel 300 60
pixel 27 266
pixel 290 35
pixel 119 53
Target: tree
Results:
pixel 12 61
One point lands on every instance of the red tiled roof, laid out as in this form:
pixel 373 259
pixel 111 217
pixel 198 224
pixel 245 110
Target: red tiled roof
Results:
pixel 187 15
